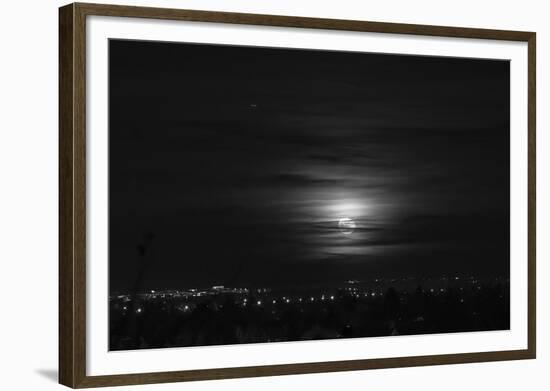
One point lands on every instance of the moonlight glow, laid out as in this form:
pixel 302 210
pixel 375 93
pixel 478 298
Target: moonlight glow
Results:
pixel 346 225
pixel 345 207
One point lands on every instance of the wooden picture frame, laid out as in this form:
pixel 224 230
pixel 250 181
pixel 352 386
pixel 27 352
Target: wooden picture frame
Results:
pixel 72 190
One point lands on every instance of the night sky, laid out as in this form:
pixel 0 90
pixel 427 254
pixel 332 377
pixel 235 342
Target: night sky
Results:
pixel 237 163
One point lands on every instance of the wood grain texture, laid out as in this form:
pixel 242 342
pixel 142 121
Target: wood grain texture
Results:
pixel 66 239
pixel 72 197
pixel 532 194
pixel 72 194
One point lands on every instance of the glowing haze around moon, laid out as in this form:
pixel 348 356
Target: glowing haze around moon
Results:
pixel 346 225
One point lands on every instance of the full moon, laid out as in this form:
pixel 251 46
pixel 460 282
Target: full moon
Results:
pixel 346 225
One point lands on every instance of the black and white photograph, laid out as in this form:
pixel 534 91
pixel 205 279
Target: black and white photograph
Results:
pixel 264 194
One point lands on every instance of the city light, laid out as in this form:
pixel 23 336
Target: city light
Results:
pixel 365 298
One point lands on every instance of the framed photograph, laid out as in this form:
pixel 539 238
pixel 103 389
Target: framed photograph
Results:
pixel 254 195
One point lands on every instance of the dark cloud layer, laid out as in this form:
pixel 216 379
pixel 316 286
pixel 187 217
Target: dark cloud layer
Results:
pixel 241 160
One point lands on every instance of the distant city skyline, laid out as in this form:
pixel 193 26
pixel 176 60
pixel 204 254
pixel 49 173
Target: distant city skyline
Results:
pixel 379 307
